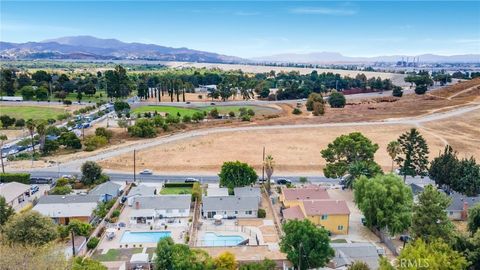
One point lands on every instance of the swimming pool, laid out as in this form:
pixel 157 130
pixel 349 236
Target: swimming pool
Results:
pixel 143 237
pixel 214 240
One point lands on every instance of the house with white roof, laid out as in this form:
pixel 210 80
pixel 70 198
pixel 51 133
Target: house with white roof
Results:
pixel 63 208
pixel 140 191
pixel 229 207
pixel 146 209
pixel 14 193
pixel 106 191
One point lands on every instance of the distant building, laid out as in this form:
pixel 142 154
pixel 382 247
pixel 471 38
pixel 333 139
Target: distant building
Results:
pixel 63 208
pixel 14 193
pixel 458 209
pixel 106 191
pixel 206 88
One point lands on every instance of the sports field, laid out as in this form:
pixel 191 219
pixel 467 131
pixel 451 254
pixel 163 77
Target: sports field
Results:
pixel 191 110
pixel 33 112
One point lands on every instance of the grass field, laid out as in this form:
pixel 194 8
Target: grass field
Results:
pixel 176 190
pixel 33 112
pixel 116 254
pixel 190 111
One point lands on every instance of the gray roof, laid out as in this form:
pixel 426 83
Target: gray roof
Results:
pixel 215 191
pixel 459 199
pixel 10 191
pixel 416 189
pixel 347 253
pixel 108 187
pixel 54 210
pixel 164 202
pixel 247 192
pixel 54 199
pixel 142 190
pixel 230 203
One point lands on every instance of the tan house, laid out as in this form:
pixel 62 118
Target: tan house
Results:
pixel 14 193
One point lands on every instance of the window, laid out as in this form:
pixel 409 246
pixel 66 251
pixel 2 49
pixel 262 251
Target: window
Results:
pixel 324 217
pixel 236 212
pixel 248 212
pixel 149 218
pixel 181 211
pixel 340 227
pixel 451 213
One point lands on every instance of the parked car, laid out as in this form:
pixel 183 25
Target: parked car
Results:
pixel 146 172
pixel 283 181
pixel 191 180
pixel 67 176
pixel 34 189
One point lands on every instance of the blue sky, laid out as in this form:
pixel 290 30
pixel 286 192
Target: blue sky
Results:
pixel 251 29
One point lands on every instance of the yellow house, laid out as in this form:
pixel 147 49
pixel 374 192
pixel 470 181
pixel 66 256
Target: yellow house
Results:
pixel 332 215
pixel 315 204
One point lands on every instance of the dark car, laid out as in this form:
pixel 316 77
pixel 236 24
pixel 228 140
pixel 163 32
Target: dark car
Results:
pixel 283 181
pixel 191 180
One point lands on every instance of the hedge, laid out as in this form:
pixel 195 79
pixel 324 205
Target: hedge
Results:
pixel 15 177
pixel 261 213
pixel 93 242
pixel 178 184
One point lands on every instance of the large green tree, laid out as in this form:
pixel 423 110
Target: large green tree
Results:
pixel 430 220
pixel 468 181
pixel 6 211
pixel 413 159
pixel 444 169
pixel 7 79
pixel 337 100
pixel 237 174
pixel 474 219
pixel 30 228
pixel 91 172
pixel 385 201
pixel 171 256
pixel 306 245
pixel 436 255
pixel 347 150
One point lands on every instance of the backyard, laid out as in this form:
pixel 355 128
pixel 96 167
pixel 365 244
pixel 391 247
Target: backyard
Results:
pixel 176 190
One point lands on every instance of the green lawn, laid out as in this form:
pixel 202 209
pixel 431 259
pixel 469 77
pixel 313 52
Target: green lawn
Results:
pixel 339 241
pixel 190 111
pixel 34 112
pixel 116 254
pixel 176 190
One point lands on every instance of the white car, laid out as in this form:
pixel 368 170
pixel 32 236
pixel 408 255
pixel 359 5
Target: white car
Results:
pixel 146 172
pixel 191 180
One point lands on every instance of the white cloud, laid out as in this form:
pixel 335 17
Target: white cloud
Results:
pixel 324 11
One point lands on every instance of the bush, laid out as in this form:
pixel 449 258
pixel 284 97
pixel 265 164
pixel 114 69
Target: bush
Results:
pixel 198 116
pixel 7 121
pixel 397 91
pixel 196 192
pixel 246 118
pixel 61 190
pixel 312 98
pixel 23 178
pixel 63 231
pixel 251 112
pixel 49 147
pixel 93 242
pixel 337 100
pixel 121 107
pixel 143 128
pixel 420 89
pixel 261 213
pixel 172 119
pixel 187 119
pixel 101 131
pixel 297 111
pixel 231 114
pixel 213 113
pixel 20 123
pixel 94 142
pixel 318 108
pixel 70 140
pixel 115 213
pixel 67 102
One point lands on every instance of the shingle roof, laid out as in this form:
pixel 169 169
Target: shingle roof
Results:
pixel 247 192
pixel 12 190
pixel 164 202
pixel 213 191
pixel 53 199
pixel 54 210
pixel 311 193
pixel 142 190
pixel 459 199
pixel 294 212
pixel 108 187
pixel 230 203
pixel 347 253
pixel 329 207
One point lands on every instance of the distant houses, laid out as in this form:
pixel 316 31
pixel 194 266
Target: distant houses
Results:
pixel 314 204
pixel 14 193
pixel 106 191
pixel 458 209
pixel 63 208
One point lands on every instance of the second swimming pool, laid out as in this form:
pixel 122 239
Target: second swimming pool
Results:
pixel 212 239
pixel 143 237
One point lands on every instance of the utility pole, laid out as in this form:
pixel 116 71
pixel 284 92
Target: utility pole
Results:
pixel 134 167
pixel 73 243
pixel 263 166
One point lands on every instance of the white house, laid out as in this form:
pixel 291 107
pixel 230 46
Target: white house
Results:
pixel 14 193
pixel 139 191
pixel 230 206
pixel 146 209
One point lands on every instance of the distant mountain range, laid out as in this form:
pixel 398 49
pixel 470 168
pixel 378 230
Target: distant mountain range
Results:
pixel 88 47
pixel 333 57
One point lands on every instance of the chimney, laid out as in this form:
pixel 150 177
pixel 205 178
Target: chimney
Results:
pixel 137 205
pixel 465 211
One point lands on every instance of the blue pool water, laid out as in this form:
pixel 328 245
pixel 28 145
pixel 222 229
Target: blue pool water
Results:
pixel 143 237
pixel 213 240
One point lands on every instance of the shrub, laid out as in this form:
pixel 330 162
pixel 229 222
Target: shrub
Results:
pixel 172 119
pixel 7 121
pixel 158 121
pixel 198 116
pixel 231 114
pixel 121 106
pixel 115 213
pixel 49 147
pixel 261 213
pixel 297 111
pixel 196 192
pixel 67 102
pixel 143 128
pixel 20 123
pixel 246 118
pixel 187 119
pixel 312 98
pixel 213 113
pixel 420 89
pixel 178 184
pixel 61 190
pixel 397 91
pixel 23 178
pixel 318 108
pixel 93 242
pixel 251 112
pixel 63 231
pixel 94 142
pixel 70 140
pixel 101 131
pixel 337 100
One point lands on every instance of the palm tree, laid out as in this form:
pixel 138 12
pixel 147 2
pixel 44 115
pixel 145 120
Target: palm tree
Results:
pixel 31 125
pixel 41 130
pixel 393 149
pixel 3 138
pixel 269 164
